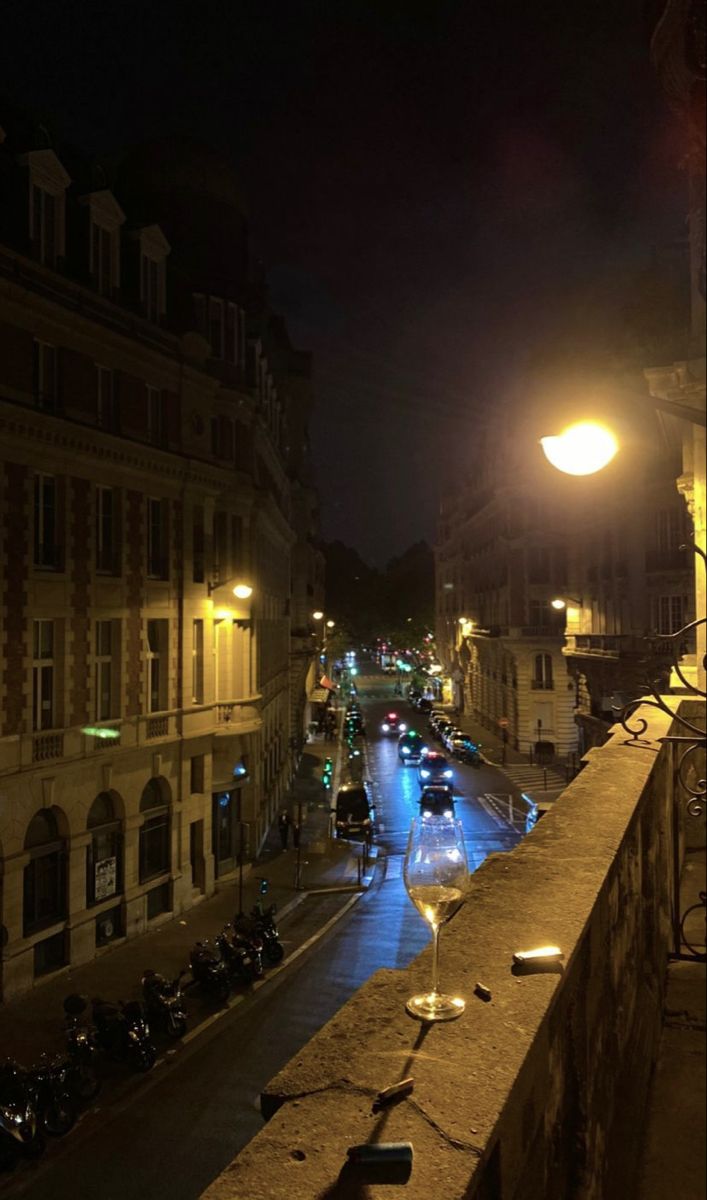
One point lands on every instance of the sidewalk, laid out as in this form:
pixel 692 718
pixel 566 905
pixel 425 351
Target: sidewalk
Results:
pixel 34 1022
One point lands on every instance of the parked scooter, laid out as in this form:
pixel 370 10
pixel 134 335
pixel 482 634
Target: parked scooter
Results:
pixel 243 957
pixel 20 1130
pixel 210 972
pixel 48 1084
pixel 123 1033
pixel 81 1051
pixel 262 922
pixel 164 1003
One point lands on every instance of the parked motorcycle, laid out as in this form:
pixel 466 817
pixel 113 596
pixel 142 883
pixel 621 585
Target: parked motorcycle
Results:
pixel 81 1051
pixel 242 955
pixel 20 1129
pixel 210 972
pixel 164 1003
pixel 123 1033
pixel 262 922
pixel 48 1085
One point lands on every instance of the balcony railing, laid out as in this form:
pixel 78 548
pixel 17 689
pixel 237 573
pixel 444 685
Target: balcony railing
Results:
pixel 157 726
pixel 46 746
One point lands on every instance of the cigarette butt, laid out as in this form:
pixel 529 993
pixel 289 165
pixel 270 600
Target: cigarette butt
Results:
pixel 483 992
pixel 395 1089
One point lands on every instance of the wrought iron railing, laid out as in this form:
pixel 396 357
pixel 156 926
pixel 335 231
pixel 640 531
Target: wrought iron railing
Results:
pixel 690 745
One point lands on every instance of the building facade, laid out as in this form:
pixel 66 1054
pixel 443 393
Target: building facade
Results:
pixel 519 535
pixel 153 457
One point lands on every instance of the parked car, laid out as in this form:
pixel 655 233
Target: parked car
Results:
pixel 411 746
pixel 436 800
pixel 434 768
pixel 466 750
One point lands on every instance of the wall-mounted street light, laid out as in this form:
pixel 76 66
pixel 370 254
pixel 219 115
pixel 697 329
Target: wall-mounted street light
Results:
pixel 581 449
pixel 561 602
pixel 241 589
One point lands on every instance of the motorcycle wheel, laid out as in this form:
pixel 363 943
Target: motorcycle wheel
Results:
pixel 176 1026
pixel 143 1058
pixel 59 1116
pixel 274 952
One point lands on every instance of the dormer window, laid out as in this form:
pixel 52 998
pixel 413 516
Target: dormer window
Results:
pixel 102 258
pixel 48 182
pixel 152 251
pixel 105 219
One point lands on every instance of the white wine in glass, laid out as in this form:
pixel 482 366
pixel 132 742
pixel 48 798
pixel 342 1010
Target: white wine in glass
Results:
pixel 436 876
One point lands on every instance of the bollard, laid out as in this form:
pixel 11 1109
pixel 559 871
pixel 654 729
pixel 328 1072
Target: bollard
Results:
pixel 545 778
pixel 358 870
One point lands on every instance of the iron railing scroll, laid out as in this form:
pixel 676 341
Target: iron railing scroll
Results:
pixel 689 774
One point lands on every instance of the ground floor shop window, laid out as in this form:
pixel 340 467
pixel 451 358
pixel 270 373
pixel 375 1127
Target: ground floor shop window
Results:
pixel 104 853
pixel 44 892
pixel 226 829
pixel 50 954
pixel 155 831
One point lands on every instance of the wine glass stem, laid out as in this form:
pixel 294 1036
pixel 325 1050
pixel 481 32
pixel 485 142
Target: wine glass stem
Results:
pixel 435 960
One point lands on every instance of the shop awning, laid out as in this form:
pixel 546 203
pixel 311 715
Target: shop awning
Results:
pixel 325 682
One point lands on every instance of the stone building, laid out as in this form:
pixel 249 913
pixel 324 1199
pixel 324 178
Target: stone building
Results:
pixel 519 535
pixel 500 554
pixel 153 456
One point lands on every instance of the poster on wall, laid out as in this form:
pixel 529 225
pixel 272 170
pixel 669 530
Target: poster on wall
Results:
pixel 105 878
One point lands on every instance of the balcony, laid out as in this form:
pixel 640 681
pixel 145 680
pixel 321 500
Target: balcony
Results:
pixel 541 1090
pixel 47 746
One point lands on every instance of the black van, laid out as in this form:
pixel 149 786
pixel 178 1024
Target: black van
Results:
pixel 354 811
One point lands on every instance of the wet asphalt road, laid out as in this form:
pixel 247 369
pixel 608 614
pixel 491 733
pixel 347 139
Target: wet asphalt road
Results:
pixel 172 1132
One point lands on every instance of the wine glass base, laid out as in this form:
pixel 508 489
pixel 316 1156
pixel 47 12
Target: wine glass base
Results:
pixel 432 1006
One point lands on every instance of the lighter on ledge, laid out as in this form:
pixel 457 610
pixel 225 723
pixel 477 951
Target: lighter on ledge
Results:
pixel 381 1152
pixel 542 954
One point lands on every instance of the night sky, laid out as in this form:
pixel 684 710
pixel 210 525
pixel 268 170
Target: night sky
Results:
pixel 440 191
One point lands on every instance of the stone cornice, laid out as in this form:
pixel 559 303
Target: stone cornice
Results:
pixel 30 430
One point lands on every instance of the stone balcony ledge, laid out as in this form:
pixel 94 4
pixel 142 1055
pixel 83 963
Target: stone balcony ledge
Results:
pixel 537 1094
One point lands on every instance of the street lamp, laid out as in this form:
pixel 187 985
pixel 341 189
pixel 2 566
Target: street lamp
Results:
pixel 581 449
pixel 561 602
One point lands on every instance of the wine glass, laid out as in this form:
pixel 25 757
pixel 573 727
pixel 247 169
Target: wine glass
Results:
pixel 436 876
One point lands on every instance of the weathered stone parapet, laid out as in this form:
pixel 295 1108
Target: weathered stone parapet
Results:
pixel 536 1095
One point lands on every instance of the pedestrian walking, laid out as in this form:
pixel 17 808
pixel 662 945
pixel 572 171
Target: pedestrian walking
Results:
pixel 283 824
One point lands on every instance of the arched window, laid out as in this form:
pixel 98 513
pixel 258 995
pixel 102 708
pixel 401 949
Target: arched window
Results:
pixel 542 679
pixel 104 853
pixel 155 831
pixel 44 901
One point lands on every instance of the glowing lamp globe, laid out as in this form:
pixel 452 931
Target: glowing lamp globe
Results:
pixel 242 591
pixel 581 449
